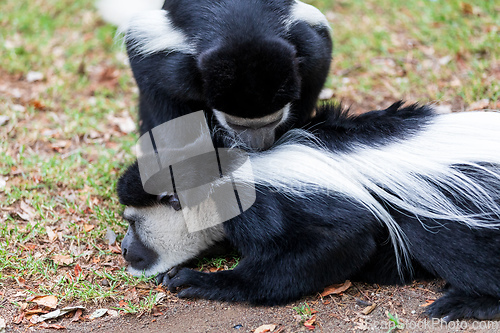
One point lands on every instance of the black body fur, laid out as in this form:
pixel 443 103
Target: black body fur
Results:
pixel 292 247
pixel 249 61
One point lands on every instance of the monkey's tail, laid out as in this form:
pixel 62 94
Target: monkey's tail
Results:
pixel 119 12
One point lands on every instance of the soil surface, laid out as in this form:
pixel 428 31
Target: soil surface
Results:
pixel 333 313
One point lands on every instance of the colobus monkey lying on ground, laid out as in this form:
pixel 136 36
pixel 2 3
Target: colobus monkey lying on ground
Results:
pixel 384 197
pixel 257 66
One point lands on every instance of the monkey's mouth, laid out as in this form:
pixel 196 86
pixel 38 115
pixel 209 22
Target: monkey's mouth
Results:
pixel 254 133
pixel 256 139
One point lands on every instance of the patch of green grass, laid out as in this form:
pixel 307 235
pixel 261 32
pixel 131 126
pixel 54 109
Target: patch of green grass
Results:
pixel 394 323
pixel 225 262
pixel 122 276
pixel 416 50
pixel 80 289
pixel 145 304
pixel 32 31
pixel 304 311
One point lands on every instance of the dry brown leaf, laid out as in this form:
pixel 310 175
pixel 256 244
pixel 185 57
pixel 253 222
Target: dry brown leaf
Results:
pixel 479 105
pixel 78 270
pixel 109 76
pixel 310 322
pixel 125 123
pixel 27 212
pixel 18 319
pixel 131 295
pixel 50 234
pixel 467 8
pixel 265 328
pixel 53 326
pixel 30 246
pixel 57 145
pixel 34 311
pixel 37 105
pixel 156 312
pixel 61 259
pixel 104 76
pixel 21 281
pixel 427 303
pixel 88 227
pixel 77 315
pixel 336 288
pixel 215 269
pixel 443 109
pixel 49 301
pixel 88 211
pixel 24 306
pixel 115 248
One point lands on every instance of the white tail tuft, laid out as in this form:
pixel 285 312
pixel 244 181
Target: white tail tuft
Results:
pixel 119 12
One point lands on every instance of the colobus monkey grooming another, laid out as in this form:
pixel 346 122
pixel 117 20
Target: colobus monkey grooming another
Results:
pixel 384 197
pixel 255 66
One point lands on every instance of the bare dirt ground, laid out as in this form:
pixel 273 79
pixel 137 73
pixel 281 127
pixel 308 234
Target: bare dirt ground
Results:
pixel 333 313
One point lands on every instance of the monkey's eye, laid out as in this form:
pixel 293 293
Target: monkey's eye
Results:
pixel 131 222
pixel 163 198
pixel 169 200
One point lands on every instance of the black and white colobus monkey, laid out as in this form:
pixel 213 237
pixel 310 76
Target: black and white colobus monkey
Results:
pixel 255 66
pixel 384 197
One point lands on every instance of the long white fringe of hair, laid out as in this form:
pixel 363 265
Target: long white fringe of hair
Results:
pixel 119 12
pixel 408 174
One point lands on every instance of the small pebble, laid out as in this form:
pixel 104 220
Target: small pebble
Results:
pixel 113 313
pixel 110 236
pixel 238 326
pixel 18 108
pixel 326 93
pixel 34 76
pixel 4 120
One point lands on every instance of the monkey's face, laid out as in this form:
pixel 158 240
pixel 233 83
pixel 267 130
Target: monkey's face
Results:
pixel 158 238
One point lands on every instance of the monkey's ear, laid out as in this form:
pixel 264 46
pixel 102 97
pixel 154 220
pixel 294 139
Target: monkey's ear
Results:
pixel 130 189
pixel 208 58
pixel 218 72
